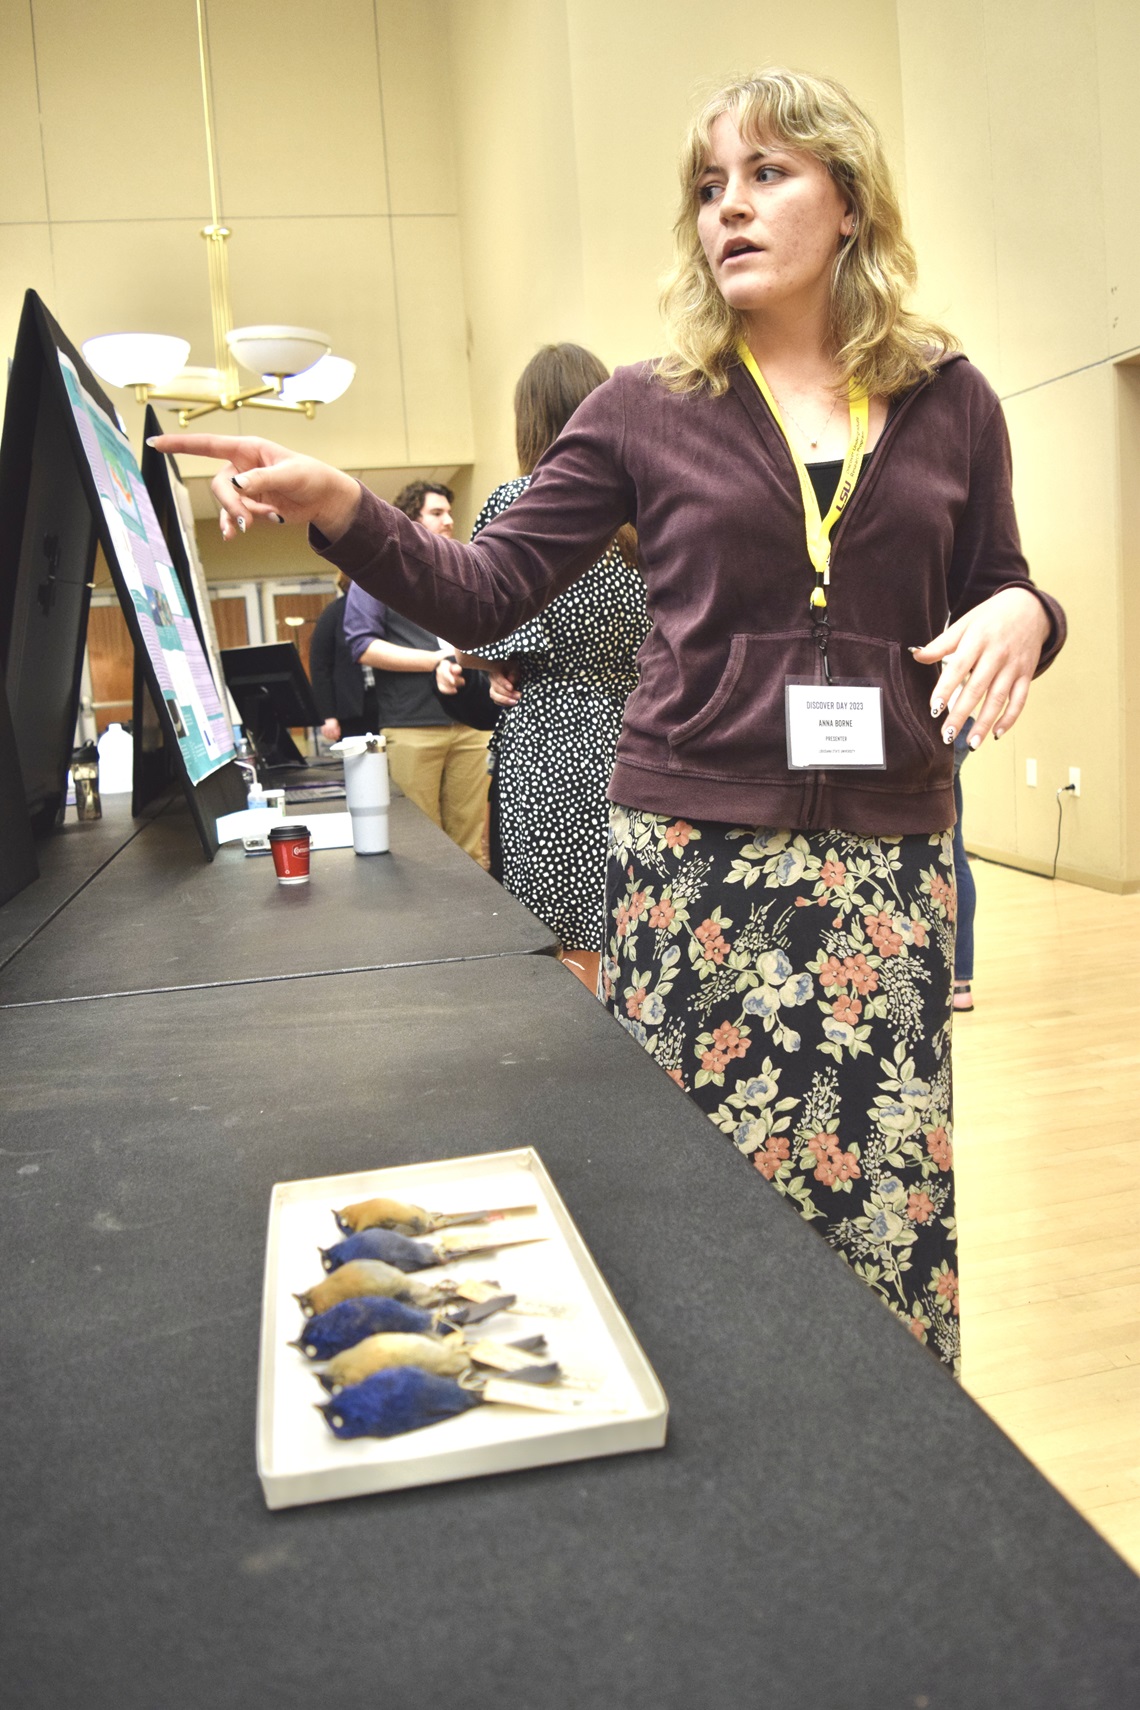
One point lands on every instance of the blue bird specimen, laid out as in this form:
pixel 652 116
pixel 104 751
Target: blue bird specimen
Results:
pixel 350 1321
pixel 383 1244
pixel 411 1219
pixel 407 1255
pixel 394 1401
pixel 372 1276
pixel 404 1398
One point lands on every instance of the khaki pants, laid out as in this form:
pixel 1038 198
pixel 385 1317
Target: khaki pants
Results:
pixel 443 769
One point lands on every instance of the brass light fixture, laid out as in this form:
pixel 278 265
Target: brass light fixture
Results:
pixel 295 368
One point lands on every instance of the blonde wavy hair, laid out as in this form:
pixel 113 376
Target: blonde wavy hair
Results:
pixel 875 339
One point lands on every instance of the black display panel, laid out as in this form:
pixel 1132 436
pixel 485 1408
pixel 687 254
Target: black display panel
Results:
pixel 48 537
pixel 75 471
pixel 18 864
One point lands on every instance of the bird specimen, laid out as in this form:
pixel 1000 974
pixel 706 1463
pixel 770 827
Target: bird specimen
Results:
pixel 448 1356
pixel 409 1255
pixel 350 1321
pixel 413 1219
pixel 407 1398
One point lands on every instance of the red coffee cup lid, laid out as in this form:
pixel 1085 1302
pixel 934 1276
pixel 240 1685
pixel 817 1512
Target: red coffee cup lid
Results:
pixel 281 833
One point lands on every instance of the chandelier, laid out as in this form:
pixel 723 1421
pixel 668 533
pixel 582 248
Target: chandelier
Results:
pixel 295 368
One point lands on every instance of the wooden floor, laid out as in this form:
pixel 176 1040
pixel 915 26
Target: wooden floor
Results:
pixel 1047 1152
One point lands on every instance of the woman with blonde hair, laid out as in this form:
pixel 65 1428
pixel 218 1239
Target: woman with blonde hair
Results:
pixel 821 488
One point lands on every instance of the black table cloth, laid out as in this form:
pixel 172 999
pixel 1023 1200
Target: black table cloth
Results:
pixel 159 916
pixel 832 1522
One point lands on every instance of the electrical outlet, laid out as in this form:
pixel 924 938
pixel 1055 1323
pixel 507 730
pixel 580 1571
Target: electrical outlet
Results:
pixel 1031 774
pixel 1075 780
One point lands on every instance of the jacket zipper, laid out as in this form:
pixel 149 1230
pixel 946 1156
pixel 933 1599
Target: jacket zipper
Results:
pixel 815 792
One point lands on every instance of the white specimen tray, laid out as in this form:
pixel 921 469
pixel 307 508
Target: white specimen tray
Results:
pixel 624 1407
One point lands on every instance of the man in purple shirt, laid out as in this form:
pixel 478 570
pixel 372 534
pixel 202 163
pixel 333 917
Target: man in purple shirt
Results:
pixel 439 763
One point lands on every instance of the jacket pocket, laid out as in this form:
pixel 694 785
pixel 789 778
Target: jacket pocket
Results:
pixel 740 732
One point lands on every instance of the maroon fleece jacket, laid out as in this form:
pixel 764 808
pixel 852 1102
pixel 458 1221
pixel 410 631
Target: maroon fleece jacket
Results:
pixel 709 483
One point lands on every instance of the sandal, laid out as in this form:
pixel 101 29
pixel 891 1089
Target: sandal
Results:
pixel 963 999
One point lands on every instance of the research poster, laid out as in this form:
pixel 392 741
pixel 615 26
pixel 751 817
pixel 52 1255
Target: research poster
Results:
pixel 196 711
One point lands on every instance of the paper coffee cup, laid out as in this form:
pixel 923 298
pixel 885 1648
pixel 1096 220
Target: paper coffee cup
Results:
pixel 289 846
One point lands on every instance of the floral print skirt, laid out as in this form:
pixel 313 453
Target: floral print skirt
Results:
pixel 798 986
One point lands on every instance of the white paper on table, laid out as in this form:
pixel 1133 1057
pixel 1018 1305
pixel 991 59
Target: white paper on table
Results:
pixel 248 822
pixel 326 830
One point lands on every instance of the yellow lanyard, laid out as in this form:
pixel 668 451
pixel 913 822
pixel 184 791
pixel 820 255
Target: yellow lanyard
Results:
pixel 819 528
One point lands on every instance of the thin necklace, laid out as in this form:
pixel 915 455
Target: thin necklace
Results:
pixel 814 443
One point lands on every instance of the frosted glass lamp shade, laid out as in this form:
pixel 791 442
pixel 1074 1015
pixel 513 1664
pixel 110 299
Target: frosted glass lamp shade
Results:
pixel 277 351
pixel 323 383
pixel 136 359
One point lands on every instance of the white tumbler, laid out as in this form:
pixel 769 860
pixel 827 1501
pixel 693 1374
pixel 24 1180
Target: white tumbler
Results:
pixel 366 786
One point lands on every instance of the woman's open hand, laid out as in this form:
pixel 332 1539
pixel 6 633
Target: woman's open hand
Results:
pixel 260 481
pixel 988 657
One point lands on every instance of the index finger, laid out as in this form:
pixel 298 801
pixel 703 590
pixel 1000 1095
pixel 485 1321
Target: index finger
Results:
pixel 225 448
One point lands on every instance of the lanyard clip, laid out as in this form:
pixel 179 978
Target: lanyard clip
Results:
pixel 819 623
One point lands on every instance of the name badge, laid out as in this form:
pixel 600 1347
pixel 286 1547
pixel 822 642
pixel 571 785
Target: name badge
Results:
pixel 834 724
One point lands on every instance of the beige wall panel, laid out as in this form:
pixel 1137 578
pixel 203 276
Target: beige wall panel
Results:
pixel 950 209
pixel 1048 204
pixel 141 276
pixel 297 105
pixel 989 797
pixel 518 196
pixel 25 263
pixel 416 86
pixel 1069 529
pixel 1118 58
pixel 122 109
pixel 23 186
pixel 433 353
pixel 638 75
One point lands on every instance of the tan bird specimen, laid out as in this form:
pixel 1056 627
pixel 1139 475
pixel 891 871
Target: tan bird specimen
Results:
pixel 413 1219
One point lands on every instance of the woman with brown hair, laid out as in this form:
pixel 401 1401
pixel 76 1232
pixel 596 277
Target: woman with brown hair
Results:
pixel 572 668
pixel 822 493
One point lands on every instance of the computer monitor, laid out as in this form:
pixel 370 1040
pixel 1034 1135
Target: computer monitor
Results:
pixel 69 465
pixel 271 692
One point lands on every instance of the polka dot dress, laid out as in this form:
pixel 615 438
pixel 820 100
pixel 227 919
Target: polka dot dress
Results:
pixel 554 751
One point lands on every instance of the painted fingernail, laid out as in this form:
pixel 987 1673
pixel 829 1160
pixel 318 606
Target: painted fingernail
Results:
pixel 236 483
pixel 937 708
pixel 277 517
pixel 241 524
pixel 976 741
pixel 153 441
pixel 909 649
pixel 998 734
pixel 949 733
